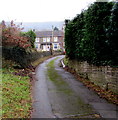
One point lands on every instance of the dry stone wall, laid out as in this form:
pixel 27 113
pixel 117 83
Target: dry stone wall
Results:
pixel 104 76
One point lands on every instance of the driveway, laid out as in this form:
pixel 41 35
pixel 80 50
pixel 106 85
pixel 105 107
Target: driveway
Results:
pixel 58 94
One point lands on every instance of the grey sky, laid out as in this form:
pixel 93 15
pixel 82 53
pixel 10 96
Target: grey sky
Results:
pixel 41 10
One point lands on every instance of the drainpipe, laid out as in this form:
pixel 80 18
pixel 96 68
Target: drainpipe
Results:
pixel 52 35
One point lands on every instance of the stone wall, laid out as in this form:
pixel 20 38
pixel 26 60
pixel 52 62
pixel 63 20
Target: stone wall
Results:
pixel 104 76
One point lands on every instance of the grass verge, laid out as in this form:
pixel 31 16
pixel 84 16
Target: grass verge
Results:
pixel 16 96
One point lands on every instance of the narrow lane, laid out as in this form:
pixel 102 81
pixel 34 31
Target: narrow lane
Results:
pixel 41 105
pixel 56 93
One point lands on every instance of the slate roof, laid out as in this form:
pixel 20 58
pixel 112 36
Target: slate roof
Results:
pixel 56 33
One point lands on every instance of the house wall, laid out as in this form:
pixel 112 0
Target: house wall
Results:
pixel 56 46
pixel 61 42
pixel 47 47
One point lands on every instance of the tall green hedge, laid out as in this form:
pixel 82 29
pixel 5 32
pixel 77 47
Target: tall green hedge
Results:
pixel 112 34
pixel 92 35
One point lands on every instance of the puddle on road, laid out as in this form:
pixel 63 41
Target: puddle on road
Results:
pixel 63 100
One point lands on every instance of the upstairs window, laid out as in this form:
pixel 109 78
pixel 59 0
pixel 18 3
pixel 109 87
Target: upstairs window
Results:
pixel 48 39
pixel 44 39
pixel 37 39
pixel 55 39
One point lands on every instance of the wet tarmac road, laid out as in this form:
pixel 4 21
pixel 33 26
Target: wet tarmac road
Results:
pixel 57 93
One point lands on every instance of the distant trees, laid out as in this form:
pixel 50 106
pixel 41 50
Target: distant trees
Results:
pixel 56 28
pixel 92 35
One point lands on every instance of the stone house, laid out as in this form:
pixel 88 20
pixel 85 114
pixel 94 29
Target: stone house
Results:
pixel 47 40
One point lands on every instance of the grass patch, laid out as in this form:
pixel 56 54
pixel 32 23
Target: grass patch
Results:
pixel 61 85
pixel 53 75
pixel 16 96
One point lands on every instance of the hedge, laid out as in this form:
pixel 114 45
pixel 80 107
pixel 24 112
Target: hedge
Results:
pixel 92 35
pixel 21 56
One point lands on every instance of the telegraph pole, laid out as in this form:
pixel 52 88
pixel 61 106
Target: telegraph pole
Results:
pixel 52 32
pixel 51 47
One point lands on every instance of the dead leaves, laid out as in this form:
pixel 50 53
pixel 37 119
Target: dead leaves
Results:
pixel 77 116
pixel 25 72
pixel 6 89
pixel 108 95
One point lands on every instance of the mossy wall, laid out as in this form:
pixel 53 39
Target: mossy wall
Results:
pixel 104 76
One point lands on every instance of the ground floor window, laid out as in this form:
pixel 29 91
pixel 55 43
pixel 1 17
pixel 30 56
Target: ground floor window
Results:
pixel 55 46
pixel 36 45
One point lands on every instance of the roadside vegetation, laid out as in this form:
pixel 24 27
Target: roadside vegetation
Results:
pixel 19 61
pixel 92 37
pixel 16 71
pixel 16 94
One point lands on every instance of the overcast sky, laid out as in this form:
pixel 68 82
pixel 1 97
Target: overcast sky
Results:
pixel 41 10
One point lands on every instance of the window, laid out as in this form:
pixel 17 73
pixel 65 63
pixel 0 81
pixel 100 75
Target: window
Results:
pixel 55 39
pixel 44 39
pixel 55 46
pixel 37 39
pixel 36 45
pixel 48 39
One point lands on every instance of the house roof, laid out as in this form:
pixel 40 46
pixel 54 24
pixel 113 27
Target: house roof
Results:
pixel 56 33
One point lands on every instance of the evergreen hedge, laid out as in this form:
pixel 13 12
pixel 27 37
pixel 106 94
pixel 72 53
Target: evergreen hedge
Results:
pixel 92 35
